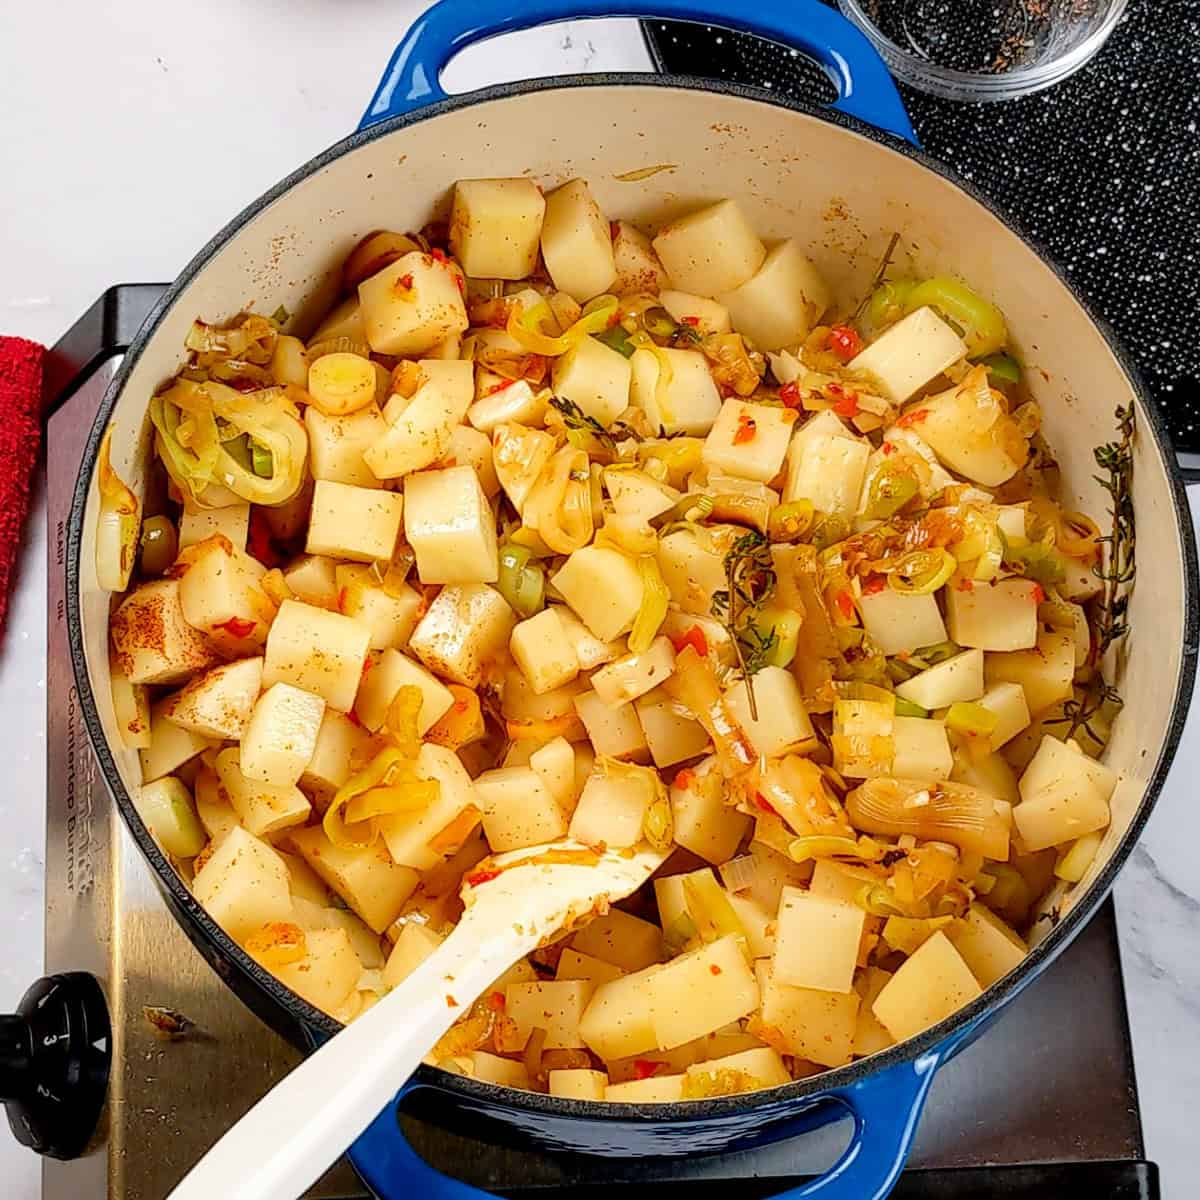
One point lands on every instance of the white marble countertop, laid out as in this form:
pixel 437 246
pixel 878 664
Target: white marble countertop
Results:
pixel 124 151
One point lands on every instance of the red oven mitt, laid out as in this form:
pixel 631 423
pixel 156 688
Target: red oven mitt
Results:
pixel 20 439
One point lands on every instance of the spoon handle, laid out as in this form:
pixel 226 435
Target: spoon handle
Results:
pixel 290 1137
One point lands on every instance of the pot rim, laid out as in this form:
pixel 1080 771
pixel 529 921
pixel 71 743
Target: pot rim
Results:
pixel 994 998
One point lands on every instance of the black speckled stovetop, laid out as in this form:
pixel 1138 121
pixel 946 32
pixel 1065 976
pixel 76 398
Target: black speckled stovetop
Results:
pixel 1103 170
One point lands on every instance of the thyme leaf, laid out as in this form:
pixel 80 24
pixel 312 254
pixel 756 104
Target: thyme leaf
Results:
pixel 750 581
pixel 577 421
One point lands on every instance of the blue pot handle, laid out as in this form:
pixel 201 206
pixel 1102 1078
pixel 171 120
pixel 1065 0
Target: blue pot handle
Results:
pixel 885 1107
pixel 865 89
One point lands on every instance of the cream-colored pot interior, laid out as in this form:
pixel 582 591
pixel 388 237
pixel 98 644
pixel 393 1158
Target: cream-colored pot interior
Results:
pixel 839 193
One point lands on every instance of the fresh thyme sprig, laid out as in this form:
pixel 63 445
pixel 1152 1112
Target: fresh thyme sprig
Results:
pixel 877 278
pixel 750 581
pixel 577 421
pixel 1116 569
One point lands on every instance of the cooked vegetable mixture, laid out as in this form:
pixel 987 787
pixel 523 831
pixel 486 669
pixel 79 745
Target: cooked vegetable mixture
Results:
pixel 556 529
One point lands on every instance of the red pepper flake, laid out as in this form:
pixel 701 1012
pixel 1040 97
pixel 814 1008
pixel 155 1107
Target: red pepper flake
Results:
pixel 845 603
pixel 352 717
pixel 874 585
pixel 438 255
pixel 645 1068
pixel 259 542
pixel 405 282
pixel 451 1002
pixel 844 342
pixel 846 404
pixel 694 322
pixel 684 779
pixel 1038 593
pixel 481 877
pixel 789 395
pixel 762 802
pixel 713 969
pixel 913 418
pixel 368 663
pixel 496 1002
pixel 888 449
pixel 965 585
pixel 461 282
pixel 461 706
pixel 747 427
pixel 343 596
pixel 614 228
pixel 237 627
pixel 499 387
pixel 693 637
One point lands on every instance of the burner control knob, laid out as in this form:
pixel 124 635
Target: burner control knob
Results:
pixel 55 1053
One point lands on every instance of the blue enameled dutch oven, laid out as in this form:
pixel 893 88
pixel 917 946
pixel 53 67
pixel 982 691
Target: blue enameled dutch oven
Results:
pixel 838 180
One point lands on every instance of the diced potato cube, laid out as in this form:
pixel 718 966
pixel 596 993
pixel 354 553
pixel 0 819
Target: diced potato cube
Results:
pixel 386 675
pixel 604 587
pixel 839 881
pixel 506 400
pixel 870 1037
pixel 616 1022
pixel 710 251
pixel 987 945
pixel 670 736
pixel 816 941
pixel 411 305
pixel 343 320
pixel 635 674
pixel 212 806
pixel 321 652
pixel 312 894
pixel 368 880
pixel 313 580
pixel 991 774
pixel 450 526
pixel 391 616
pixel 897 622
pixel 420 434
pixel 469 447
pixel 518 809
pixel 554 764
pixel 783 725
pixel 637 266
pixel 407 835
pixel 590 651
pixel 414 945
pixel 828 471
pixel 655 1089
pixel 637 497
pixel 758 923
pixel 336 445
pixel 779 305
pixel 327 973
pixel 1064 795
pixel 491 1068
pixel 624 940
pixel 686 403
pixel 922 749
pixel 243 885
pixel 701 991
pixel 573 965
pixel 1045 673
pixel 218 703
pixel 555 1006
pixel 749 440
pixel 281 735
pixel 931 985
pixel 595 377
pixel 616 732
pixel 696 312
pixel 232 522
pixel 221 597
pixel 131 710
pixel 812 1024
pixel 692 570
pixel 351 522
pixel 1007 701
pixel 904 358
pixel 997 616
pixel 341 746
pixel 576 244
pixel 541 649
pixel 704 823
pixel 495 227
pixel 761 1067
pixel 957 679
pixel 465 629
pixel 610 811
pixel 577 1083
pixel 170 745
pixel 153 642
pixel 263 808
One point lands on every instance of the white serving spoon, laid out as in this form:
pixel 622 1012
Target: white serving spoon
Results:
pixel 289 1138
